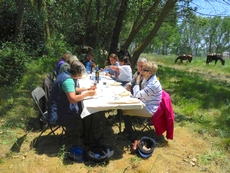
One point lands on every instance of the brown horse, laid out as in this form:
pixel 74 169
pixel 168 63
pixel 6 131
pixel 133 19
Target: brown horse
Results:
pixel 184 57
pixel 214 57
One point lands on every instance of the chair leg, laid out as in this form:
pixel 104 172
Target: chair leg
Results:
pixel 52 131
pixel 146 125
pixel 37 139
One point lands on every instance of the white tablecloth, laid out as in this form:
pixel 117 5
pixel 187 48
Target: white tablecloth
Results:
pixel 107 97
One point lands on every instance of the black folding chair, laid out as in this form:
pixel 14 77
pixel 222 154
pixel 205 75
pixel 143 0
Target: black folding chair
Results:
pixel 142 123
pixel 38 95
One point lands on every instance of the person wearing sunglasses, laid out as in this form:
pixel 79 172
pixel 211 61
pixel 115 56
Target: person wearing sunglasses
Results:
pixel 150 95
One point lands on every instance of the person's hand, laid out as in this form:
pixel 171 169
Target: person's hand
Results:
pixel 138 79
pixel 128 87
pixel 94 64
pixel 93 87
pixel 107 74
pixel 91 92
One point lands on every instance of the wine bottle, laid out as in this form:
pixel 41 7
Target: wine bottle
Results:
pixel 97 74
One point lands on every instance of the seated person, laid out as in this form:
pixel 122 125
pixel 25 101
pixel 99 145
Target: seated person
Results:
pixel 114 61
pixel 63 104
pixel 150 95
pixel 140 63
pixel 89 63
pixel 66 65
pixel 124 71
pixel 66 55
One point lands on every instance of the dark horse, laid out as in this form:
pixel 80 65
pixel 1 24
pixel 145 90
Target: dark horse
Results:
pixel 214 57
pixel 184 57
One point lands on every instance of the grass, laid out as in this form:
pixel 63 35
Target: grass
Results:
pixel 200 95
pixel 199 92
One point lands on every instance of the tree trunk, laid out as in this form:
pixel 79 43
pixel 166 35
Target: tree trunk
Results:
pixel 19 17
pixel 42 7
pixel 97 22
pixel 169 4
pixel 137 28
pixel 117 28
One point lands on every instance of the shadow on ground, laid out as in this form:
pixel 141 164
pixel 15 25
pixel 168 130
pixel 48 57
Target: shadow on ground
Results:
pixel 50 146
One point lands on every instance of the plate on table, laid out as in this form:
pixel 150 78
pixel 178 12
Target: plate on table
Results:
pixel 124 94
pixel 124 101
pixel 115 84
pixel 83 76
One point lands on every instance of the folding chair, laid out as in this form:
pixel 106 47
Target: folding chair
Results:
pixel 163 119
pixel 142 123
pixel 38 94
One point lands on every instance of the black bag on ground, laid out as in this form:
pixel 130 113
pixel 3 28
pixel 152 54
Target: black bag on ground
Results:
pixel 93 128
pixel 99 153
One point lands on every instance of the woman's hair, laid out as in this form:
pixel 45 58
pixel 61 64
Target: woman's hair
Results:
pixel 71 59
pixel 114 56
pixel 66 55
pixel 76 68
pixel 124 59
pixel 151 66
pixel 142 59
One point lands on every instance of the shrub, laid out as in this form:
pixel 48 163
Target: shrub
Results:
pixel 12 63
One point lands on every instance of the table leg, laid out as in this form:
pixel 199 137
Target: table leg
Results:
pixel 119 113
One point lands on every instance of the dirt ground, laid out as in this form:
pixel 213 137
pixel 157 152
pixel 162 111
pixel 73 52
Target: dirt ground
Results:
pixel 170 156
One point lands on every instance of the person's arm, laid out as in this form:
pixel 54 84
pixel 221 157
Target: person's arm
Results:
pixel 78 89
pixel 148 91
pixel 115 68
pixel 73 98
pixel 94 64
pixel 68 87
pixel 130 85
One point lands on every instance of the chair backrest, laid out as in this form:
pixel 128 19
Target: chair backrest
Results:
pixel 47 85
pixel 38 94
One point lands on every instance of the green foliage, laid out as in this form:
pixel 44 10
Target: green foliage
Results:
pixel 12 63
pixel 59 46
pixel 32 30
pixel 32 33
pixel 7 20
pixel 62 153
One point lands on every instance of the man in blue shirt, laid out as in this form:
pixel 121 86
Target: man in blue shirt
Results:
pixel 89 62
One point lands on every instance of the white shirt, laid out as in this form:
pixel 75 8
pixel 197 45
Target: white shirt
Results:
pixel 150 95
pixel 125 73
